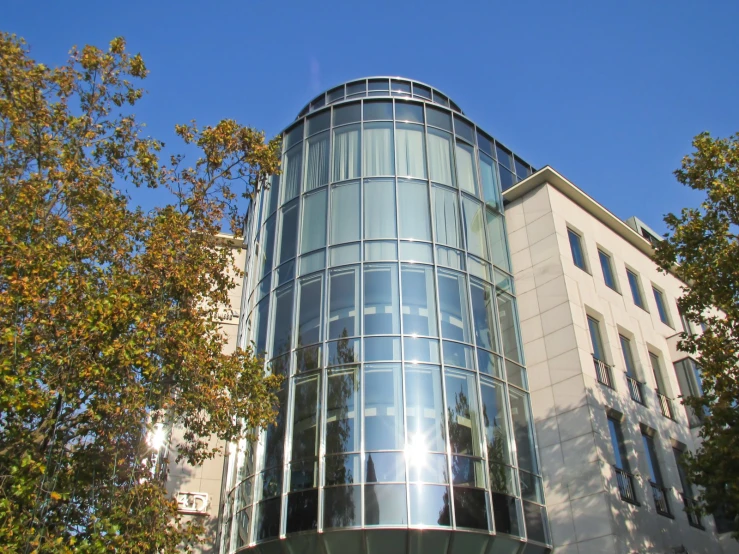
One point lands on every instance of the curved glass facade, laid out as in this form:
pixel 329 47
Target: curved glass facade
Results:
pixel 378 283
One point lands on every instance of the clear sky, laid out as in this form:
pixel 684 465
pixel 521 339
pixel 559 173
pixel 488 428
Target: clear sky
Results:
pixel 608 93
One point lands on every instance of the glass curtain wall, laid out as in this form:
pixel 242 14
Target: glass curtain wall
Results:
pixel 382 292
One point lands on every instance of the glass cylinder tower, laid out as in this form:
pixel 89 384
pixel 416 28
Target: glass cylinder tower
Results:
pixel 378 284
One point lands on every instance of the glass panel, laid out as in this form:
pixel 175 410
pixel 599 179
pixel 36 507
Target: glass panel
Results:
pixel 576 247
pixel 516 375
pixel 321 121
pixel 617 443
pixel 507 179
pixel 274 194
pixel 605 264
pixel 415 223
pixel 505 513
pixel 380 250
pixel 345 220
pixel 381 313
pixel 305 417
pixel 378 84
pixel 271 482
pixel 400 86
pixel 343 320
pixel 347 254
pixel 342 431
pixel 383 408
pixel 523 430
pixel 490 185
pixel 595 339
pixel 522 170
pixel 496 424
pixel 509 332
pixel 421 350
pixel 411 150
pixel 425 409
pixel 536 526
pixel 483 314
pixel 294 136
pixel 280 365
pixel 478 268
pixel 654 472
pixel 267 518
pixel 504 156
pixel 348 113
pixel 285 273
pixel 450 258
pixel 659 298
pixel 385 505
pixel 446 217
pixel 385 467
pixel 470 508
pixel 374 110
pixel 419 300
pixel 441 160
pixel 408 111
pixel 274 441
pixel 292 171
pixel 260 325
pixel 309 314
pixel 346 153
pixel 378 149
pixel 485 143
pixel 268 244
pixel 474 224
pixel 466 173
pixel 302 511
pixel 462 412
pixel 439 118
pixel 308 359
pixel 464 129
pixel 313 233
pixel 497 242
pixel 657 371
pixel 342 351
pixel 283 323
pixel 430 505
pixel 379 209
pixel 312 262
pixel 242 528
pixel 342 507
pixel 455 323
pixel 288 232
pixel 316 165
pixel 489 363
pixel 504 282
pixel 416 252
pixel 628 356
pixel 343 469
pixel 335 94
pixel 635 288
pixel 379 349
pixel 459 355
pixel 531 487
pixel 427 468
pixel 503 479
pixel 303 475
pixel 422 91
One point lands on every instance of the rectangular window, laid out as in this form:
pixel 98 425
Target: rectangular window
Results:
pixel 617 443
pixel 655 475
pixel 411 150
pixel 378 149
pixel 607 267
pixel 628 357
pixel 659 298
pixel 595 339
pixel 346 153
pixel 447 225
pixel 578 257
pixel 657 372
pixel 313 233
pixel 635 289
pixel 687 324
pixel 316 165
pixel 441 159
pixel 379 209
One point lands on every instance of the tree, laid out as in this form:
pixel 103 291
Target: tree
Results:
pixel 107 312
pixel 702 249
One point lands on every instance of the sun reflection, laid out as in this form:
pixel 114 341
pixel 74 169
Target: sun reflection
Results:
pixel 416 451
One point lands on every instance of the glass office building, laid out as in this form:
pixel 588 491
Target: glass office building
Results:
pixel 378 284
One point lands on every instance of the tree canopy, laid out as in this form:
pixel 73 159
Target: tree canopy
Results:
pixel 702 248
pixel 108 313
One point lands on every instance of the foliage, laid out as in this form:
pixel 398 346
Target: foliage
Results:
pixel 702 249
pixel 108 312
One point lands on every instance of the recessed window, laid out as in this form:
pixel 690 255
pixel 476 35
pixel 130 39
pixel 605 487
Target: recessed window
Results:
pixel 607 267
pixel 636 289
pixel 578 257
pixel 595 338
pixel 659 298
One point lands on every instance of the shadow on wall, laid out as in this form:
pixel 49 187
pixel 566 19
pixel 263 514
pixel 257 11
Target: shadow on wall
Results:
pixel 584 500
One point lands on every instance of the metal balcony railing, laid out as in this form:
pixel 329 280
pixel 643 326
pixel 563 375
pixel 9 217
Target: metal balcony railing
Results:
pixel 635 388
pixel 603 372
pixel 625 485
pixel 660 499
pixel 693 519
pixel 665 404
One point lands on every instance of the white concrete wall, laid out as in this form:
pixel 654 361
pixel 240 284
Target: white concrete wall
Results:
pixel 570 406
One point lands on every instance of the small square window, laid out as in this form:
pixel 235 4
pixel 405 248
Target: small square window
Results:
pixel 607 267
pixel 578 257
pixel 636 289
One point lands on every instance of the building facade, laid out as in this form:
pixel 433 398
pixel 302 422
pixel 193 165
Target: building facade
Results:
pixel 378 284
pixel 600 326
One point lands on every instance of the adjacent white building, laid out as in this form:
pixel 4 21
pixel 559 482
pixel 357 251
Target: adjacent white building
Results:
pixel 600 327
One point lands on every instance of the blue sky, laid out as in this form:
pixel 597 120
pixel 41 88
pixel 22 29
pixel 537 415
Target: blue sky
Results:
pixel 608 93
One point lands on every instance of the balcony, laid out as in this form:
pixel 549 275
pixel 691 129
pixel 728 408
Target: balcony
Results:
pixel 603 372
pixel 660 499
pixel 625 485
pixel 635 389
pixel 665 405
pixel 693 518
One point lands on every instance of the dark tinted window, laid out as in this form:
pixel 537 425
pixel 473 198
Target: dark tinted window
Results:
pixel 422 91
pixel 319 122
pixel 439 118
pixel 464 129
pixel 485 143
pixel 378 110
pixel 408 111
pixel 302 511
pixel 470 508
pixel 348 113
pixel 357 87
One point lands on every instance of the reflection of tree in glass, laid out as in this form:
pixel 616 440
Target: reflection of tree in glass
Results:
pixel 274 449
pixel 496 453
